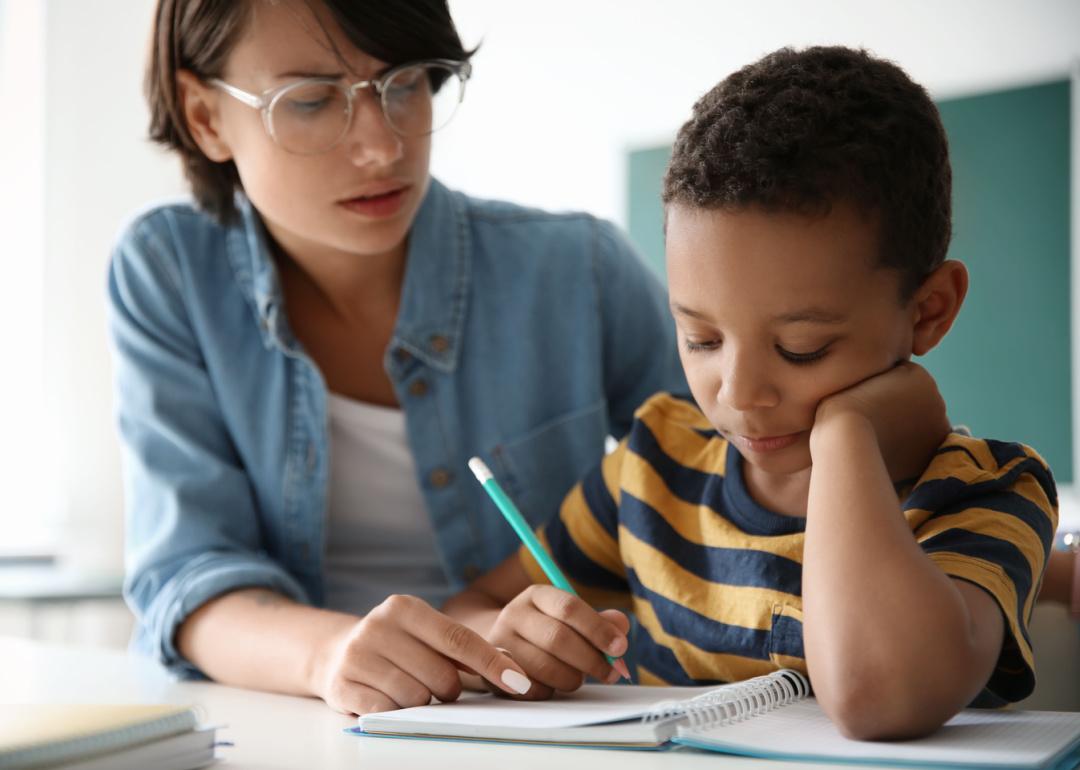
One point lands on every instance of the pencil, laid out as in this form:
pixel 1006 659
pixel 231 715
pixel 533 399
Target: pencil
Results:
pixel 524 532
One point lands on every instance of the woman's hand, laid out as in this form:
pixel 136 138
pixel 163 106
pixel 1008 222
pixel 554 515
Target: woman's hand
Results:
pixel 559 639
pixel 401 654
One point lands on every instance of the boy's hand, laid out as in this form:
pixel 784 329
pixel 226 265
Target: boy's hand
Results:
pixel 557 638
pixel 905 409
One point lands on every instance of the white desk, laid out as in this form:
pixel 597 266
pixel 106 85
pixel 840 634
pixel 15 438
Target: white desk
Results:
pixel 279 731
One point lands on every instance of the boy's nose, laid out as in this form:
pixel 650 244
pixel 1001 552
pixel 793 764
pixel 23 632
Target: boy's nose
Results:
pixel 745 387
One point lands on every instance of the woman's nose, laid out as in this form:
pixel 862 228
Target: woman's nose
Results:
pixel 370 139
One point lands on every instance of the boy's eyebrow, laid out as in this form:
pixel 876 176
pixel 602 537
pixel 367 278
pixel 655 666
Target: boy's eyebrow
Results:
pixel 810 315
pixel 805 315
pixel 683 310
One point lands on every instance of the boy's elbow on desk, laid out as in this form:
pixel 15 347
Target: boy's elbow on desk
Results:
pixel 876 714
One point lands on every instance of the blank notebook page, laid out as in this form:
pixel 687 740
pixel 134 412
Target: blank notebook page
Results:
pixel 592 704
pixel 986 738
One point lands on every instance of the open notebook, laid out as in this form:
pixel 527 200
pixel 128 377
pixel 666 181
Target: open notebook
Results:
pixel 770 716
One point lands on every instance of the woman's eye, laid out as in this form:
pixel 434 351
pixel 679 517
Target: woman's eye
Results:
pixel 307 107
pixel 802 358
pixel 694 346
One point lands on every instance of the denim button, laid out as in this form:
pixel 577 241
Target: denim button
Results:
pixel 440 477
pixel 439 343
pixel 418 388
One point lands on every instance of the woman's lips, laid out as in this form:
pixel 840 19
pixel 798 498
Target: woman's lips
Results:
pixel 377 206
pixel 767 443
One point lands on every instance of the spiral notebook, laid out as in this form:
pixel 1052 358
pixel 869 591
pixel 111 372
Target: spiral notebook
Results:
pixel 103 737
pixel 772 716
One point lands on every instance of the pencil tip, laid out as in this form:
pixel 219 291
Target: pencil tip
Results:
pixel 620 665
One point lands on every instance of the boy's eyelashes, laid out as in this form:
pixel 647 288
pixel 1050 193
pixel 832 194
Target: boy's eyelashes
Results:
pixel 792 357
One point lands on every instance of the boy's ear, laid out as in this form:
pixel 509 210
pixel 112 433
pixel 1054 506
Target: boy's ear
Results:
pixel 937 302
pixel 199 104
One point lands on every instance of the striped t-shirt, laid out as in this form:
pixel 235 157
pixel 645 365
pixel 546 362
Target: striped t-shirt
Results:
pixel 665 527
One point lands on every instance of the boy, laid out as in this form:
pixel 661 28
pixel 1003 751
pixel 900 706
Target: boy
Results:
pixel 813 509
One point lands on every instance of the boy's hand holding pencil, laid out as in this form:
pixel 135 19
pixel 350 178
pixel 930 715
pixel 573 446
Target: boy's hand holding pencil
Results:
pixel 558 639
pixel 549 630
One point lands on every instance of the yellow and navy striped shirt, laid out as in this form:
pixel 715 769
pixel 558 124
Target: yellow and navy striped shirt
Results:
pixel 665 527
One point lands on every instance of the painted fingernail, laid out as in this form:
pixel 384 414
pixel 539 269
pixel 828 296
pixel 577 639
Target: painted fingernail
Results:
pixel 519 683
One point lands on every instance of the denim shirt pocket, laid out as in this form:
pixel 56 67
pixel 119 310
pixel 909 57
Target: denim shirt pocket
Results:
pixel 539 467
pixel 786 637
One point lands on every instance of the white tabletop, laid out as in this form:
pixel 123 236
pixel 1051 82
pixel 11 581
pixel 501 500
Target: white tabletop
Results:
pixel 279 731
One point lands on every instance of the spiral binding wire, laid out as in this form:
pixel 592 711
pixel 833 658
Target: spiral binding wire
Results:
pixel 735 702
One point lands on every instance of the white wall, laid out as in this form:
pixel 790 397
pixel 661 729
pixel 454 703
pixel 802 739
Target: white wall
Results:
pixel 98 169
pixel 562 89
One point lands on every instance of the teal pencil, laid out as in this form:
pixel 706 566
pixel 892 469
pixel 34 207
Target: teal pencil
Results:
pixel 524 532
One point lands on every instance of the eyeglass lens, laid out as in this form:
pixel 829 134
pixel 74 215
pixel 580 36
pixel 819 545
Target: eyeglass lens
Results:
pixel 313 116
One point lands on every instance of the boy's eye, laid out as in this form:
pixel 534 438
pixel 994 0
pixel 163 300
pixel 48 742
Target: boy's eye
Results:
pixel 696 346
pixel 802 358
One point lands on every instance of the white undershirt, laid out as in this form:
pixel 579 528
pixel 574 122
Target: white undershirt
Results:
pixel 379 537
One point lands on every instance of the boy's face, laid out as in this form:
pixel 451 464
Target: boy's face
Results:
pixel 774 313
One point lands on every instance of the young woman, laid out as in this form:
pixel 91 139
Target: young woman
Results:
pixel 308 356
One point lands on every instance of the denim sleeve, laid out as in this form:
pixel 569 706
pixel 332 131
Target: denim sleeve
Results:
pixel 192 530
pixel 639 346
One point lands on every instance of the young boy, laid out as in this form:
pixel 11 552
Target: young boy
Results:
pixel 812 510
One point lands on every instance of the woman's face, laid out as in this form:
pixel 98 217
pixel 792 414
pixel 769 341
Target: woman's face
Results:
pixel 359 197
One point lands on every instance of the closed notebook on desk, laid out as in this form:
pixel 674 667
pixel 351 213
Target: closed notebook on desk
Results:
pixel 771 716
pixel 102 737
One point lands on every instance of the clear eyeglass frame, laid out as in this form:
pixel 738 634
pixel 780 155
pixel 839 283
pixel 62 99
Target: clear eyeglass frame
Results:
pixel 266 101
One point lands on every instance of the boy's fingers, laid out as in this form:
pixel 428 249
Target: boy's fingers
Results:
pixel 617 617
pixel 559 642
pixel 574 612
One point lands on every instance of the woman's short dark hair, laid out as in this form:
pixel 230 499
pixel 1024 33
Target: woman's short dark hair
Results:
pixel 799 130
pixel 198 35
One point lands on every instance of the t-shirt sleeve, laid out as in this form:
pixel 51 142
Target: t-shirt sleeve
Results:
pixel 584 538
pixel 985 512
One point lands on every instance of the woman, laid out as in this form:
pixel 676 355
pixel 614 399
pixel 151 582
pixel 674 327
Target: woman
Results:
pixel 308 357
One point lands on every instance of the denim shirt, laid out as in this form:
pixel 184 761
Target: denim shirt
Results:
pixel 523 337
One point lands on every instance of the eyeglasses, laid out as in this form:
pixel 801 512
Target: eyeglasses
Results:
pixel 311 116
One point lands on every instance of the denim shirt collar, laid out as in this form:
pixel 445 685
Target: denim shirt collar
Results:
pixel 434 295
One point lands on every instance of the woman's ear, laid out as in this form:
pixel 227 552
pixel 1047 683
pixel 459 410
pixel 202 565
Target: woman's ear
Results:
pixel 199 104
pixel 937 302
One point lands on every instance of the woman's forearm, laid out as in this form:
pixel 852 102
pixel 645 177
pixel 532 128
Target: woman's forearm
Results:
pixel 259 639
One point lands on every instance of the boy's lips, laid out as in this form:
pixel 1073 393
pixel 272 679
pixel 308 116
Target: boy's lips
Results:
pixel 767 443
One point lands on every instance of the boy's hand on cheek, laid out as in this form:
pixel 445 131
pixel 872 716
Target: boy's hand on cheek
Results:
pixel 557 639
pixel 905 409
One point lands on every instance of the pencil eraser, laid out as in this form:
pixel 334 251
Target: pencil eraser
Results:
pixel 480 470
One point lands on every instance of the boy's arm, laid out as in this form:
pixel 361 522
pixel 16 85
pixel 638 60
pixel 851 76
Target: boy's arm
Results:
pixel 479 605
pixel 895 647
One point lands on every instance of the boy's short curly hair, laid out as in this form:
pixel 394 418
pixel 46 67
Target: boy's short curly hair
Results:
pixel 799 130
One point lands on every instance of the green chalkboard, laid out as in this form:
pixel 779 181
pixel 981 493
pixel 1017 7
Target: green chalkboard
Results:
pixel 1005 368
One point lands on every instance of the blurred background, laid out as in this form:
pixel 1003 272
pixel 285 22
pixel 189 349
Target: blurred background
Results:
pixel 572 106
